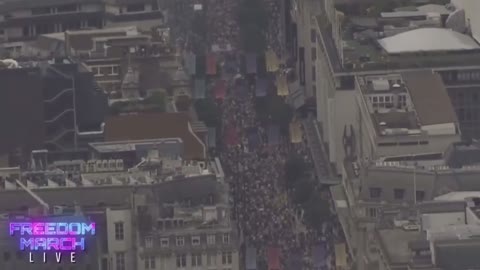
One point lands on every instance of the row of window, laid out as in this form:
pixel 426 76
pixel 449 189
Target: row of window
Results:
pixel 387 101
pixel 180 240
pixel 54 10
pixel 195 261
pixel 398 193
pixel 165 241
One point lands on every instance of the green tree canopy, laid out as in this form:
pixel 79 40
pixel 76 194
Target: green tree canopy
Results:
pixel 303 191
pixel 253 20
pixel 207 112
pixel 295 170
pixel 280 112
pixel 317 210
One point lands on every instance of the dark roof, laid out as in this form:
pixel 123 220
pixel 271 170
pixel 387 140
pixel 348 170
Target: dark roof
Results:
pixel 430 98
pixel 441 206
pixel 21 110
pixel 10 5
pixel 155 126
pixel 196 189
pixel 84 42
pixel 152 76
pixel 457 254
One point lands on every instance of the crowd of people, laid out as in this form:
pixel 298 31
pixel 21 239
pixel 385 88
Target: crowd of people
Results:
pixel 265 216
pixel 274 34
pixel 221 22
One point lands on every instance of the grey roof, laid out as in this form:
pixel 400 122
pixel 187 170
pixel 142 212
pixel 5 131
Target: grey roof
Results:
pixel 10 5
pixel 441 207
pixel 195 188
pixel 458 254
pixel 433 183
pixel 395 244
pixel 429 97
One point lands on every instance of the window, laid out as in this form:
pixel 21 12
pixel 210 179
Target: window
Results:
pixel 375 99
pixel 226 238
pixel 372 212
pixel 150 262
pixel 119 231
pixel 6 256
pixel 314 73
pixel 181 261
pixel 105 71
pixel 135 7
pixel 196 260
pixel 164 242
pixel 314 53
pixel 163 263
pixel 227 258
pixel 420 194
pixel 180 241
pixel 148 242
pixel 375 193
pixel 313 35
pixel 399 193
pixel 67 8
pixel 115 70
pixel 195 240
pixel 120 261
pixel 211 239
pixel 211 259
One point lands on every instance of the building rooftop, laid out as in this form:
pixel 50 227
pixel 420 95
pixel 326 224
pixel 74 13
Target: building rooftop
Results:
pixel 422 86
pixel 128 146
pixel 395 243
pixel 428 40
pixel 155 126
pixel 458 196
pixel 402 104
pixel 183 188
pixel 401 40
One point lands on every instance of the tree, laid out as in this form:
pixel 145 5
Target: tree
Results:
pixel 183 103
pixel 280 112
pixel 317 211
pixel 303 191
pixel 157 98
pixel 207 112
pixel 253 20
pixel 295 170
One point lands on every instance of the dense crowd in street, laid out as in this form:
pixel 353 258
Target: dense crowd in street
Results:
pixel 265 215
pixel 274 36
pixel 221 22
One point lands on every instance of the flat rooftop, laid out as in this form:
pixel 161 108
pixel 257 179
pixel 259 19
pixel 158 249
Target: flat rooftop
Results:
pixel 399 40
pixel 401 104
pixel 395 244
pixel 128 146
